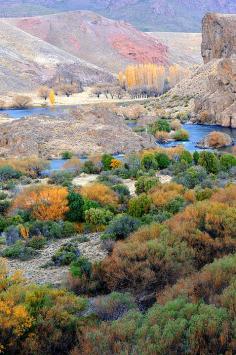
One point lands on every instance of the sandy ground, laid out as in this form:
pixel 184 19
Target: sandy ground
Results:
pixel 33 269
pixel 84 98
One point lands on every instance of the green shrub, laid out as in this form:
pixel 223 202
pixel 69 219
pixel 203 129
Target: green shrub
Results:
pixel 227 161
pixel 7 173
pixel 98 216
pixel 140 205
pixel 51 230
pixel 66 155
pixel 76 207
pixel 181 135
pixel 37 242
pixel 162 160
pixel 203 194
pixel 109 179
pixel 67 254
pixel 106 161
pixel 19 251
pixel 122 226
pixel 4 206
pixel 186 156
pixel 90 168
pixel 63 178
pixel 209 161
pixel 160 125
pixel 90 204
pixel 3 195
pixel 149 162
pixel 123 192
pixel 82 266
pixel 196 157
pixel 145 183
pixel 113 306
pixel 194 176
pixel 175 205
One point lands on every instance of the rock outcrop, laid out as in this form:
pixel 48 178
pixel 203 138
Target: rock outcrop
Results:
pixel 83 132
pixel 218 36
pixel 218 104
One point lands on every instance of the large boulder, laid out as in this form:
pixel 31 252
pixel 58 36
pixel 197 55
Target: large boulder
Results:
pixel 215 140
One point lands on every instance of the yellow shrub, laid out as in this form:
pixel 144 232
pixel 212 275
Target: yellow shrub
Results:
pixel 100 193
pixel 116 163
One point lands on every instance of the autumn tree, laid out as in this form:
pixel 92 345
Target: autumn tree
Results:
pixel 45 203
pixel 52 97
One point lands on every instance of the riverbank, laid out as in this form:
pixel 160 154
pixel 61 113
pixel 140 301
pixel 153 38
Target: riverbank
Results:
pixel 84 98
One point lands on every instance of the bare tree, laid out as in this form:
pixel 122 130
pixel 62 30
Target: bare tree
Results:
pixel 21 101
pixel 43 92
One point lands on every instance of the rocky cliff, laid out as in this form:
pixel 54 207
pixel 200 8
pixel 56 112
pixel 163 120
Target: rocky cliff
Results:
pixel 217 105
pixel 218 36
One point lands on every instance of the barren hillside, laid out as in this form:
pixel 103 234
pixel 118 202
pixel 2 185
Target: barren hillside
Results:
pixel 27 61
pixel 107 43
pixel 183 48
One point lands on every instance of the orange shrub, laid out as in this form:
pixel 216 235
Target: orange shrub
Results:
pixel 45 203
pixel 146 233
pixel 226 195
pixel 163 194
pixel 209 227
pixel 100 193
pixel 218 139
pixel 189 196
pixel 162 136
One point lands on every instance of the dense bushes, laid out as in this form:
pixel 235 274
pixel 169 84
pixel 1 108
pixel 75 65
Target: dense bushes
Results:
pixel 178 326
pixel 39 319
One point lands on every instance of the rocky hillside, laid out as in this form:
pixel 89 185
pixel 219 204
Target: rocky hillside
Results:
pixel 27 61
pixel 106 43
pixel 147 15
pixel 183 48
pixel 212 86
pixel 94 131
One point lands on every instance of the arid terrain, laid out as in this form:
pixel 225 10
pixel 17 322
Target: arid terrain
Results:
pixel 107 43
pixel 183 48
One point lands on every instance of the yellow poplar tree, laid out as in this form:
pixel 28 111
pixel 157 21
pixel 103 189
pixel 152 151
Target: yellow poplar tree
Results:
pixel 52 97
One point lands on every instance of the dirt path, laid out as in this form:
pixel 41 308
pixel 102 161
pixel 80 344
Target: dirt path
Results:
pixel 32 269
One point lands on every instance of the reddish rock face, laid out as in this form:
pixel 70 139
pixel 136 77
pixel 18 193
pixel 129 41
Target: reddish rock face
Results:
pixel 140 51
